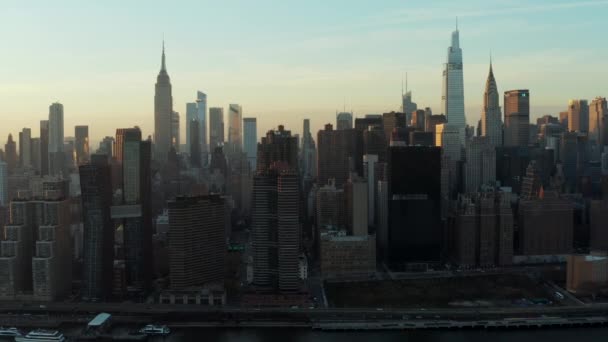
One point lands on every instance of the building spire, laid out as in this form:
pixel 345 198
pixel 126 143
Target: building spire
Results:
pixel 163 66
pixel 456 23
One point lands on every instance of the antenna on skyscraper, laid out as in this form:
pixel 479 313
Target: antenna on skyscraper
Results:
pixel 406 81
pixel 456 23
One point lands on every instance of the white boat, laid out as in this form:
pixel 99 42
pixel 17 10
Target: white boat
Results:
pixel 10 332
pixel 41 335
pixel 152 329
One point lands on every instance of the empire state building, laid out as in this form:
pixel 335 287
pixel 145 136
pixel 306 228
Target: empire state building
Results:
pixel 163 110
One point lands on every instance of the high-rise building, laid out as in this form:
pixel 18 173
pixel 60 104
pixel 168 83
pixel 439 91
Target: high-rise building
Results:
pixel 235 131
pixel 44 147
pixel 250 140
pixel 133 212
pixel 56 155
pixel 517 118
pixel 330 211
pixel 432 122
pixel 275 217
pixel 309 153
pixel 197 241
pixel 452 99
pixel 339 152
pixel 201 108
pixel 491 117
pixel 598 121
pixel 418 118
pixel 98 239
pixel 191 115
pixel 163 111
pixel 392 120
pixel 36 255
pixel 414 203
pixel 355 194
pixel 106 146
pixel 175 140
pixel 480 165
pixel 10 154
pixel 195 147
pixel 25 147
pixel 545 225
pixel 4 200
pixel 344 120
pixel 578 116
pixel 216 127
pixel 277 146
pixel 408 106
pixel 81 143
pixel 447 137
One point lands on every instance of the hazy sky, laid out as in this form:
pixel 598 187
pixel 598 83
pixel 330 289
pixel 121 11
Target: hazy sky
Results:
pixel 287 60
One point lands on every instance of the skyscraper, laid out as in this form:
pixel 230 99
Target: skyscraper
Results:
pixel 275 216
pixel 201 108
pixel 517 118
pixel 197 241
pixel 339 152
pixel 195 147
pixel 447 137
pixel 578 116
pixel 598 121
pixel 81 135
pixel 134 210
pixel 163 110
pixel 491 118
pixel 98 240
pixel 175 141
pixel 216 127
pixel 407 104
pixel 309 152
pixel 414 202
pixel 480 166
pixel 191 115
pixel 344 120
pixel 452 99
pixel 44 147
pixel 10 154
pixel 235 132
pixel 4 201
pixel 25 147
pixel 56 155
pixel 250 140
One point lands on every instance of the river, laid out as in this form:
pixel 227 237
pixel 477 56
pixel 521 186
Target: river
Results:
pixel 306 335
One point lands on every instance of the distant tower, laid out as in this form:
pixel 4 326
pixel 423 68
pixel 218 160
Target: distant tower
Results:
pixel 517 118
pixel 235 130
pixel 98 240
pixel 250 141
pixel 25 147
pixel 407 105
pixel 163 110
pixel 344 120
pixel 452 99
pixel 491 121
pixel 216 127
pixel 175 131
pixel 201 108
pixel 56 155
pixel 191 114
pixel 82 144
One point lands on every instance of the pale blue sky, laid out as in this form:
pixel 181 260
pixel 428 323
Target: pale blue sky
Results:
pixel 287 60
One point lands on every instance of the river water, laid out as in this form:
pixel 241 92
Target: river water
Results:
pixel 306 335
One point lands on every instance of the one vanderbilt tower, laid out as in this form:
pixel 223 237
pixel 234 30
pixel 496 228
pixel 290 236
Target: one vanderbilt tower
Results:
pixel 163 109
pixel 452 99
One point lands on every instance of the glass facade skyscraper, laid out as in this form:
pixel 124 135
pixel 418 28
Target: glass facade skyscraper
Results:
pixel 452 99
pixel 250 141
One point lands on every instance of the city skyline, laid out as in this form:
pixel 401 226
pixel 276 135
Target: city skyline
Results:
pixel 307 70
